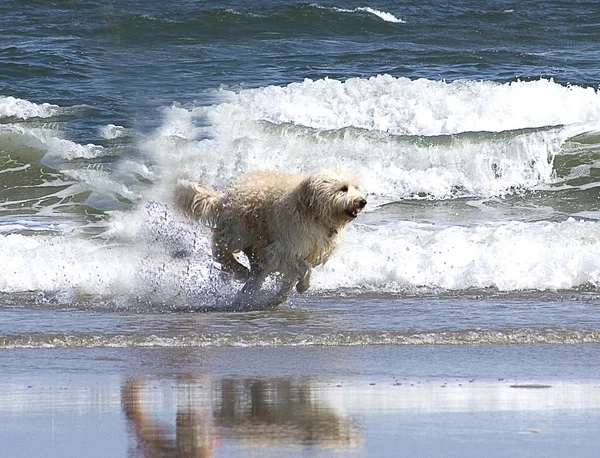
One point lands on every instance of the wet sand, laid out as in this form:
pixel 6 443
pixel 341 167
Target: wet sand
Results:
pixel 538 400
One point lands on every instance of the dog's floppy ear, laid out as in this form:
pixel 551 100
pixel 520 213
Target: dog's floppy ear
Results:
pixel 306 194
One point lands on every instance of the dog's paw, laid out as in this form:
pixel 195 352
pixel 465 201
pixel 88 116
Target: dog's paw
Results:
pixel 302 287
pixel 304 282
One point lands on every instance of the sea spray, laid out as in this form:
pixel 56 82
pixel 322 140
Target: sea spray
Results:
pixel 407 139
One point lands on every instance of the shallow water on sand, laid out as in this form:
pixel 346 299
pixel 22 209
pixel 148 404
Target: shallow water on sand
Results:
pixel 315 321
pixel 316 401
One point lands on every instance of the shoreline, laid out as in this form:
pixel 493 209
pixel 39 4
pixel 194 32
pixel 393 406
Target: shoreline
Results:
pixel 361 401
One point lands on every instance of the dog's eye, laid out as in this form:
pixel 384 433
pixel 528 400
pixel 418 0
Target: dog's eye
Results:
pixel 344 189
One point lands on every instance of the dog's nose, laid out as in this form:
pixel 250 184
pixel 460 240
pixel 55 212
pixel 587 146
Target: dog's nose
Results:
pixel 362 203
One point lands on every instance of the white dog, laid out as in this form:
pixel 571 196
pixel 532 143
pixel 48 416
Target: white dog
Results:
pixel 282 223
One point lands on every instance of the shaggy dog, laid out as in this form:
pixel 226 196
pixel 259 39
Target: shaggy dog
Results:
pixel 282 222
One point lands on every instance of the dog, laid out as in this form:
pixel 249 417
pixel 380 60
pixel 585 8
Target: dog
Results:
pixel 283 223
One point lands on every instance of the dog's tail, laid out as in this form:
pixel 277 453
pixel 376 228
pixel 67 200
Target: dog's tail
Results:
pixel 198 201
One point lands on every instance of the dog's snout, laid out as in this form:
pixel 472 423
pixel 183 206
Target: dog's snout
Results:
pixel 362 203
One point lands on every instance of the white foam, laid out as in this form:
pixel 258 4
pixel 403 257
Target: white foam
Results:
pixel 55 263
pixel 51 141
pixel 509 256
pixel 401 135
pixel 69 150
pixel 387 17
pixel 23 109
pixel 49 137
pixel 102 182
pixel 366 125
pixel 34 225
pixel 412 107
pixel 168 260
pixel 384 16
pixel 154 256
pixel 111 131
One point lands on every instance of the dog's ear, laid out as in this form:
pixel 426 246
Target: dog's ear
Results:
pixel 306 194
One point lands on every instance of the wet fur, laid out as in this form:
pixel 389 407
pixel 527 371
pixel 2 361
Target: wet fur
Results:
pixel 282 222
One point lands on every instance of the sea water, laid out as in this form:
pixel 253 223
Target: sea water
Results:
pixel 460 315
pixel 474 127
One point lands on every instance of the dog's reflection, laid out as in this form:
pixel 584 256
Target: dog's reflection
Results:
pixel 251 412
pixel 193 435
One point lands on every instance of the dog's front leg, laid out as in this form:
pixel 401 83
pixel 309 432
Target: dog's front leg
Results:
pixel 254 283
pixel 304 270
pixel 286 288
pixel 248 298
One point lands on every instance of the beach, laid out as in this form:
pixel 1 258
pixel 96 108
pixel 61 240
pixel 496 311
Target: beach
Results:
pixel 538 400
pixel 458 317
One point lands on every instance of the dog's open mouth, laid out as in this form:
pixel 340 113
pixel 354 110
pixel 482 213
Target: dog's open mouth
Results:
pixel 353 211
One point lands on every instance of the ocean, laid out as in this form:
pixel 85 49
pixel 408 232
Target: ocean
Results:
pixel 473 125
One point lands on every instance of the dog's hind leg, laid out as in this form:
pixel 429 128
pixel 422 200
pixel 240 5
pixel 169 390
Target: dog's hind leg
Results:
pixel 230 265
pixel 304 270
pixel 228 260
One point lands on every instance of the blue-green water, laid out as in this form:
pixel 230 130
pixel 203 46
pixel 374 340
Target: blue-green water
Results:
pixel 474 126
pixel 460 316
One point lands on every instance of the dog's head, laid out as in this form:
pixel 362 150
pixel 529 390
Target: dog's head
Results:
pixel 333 196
